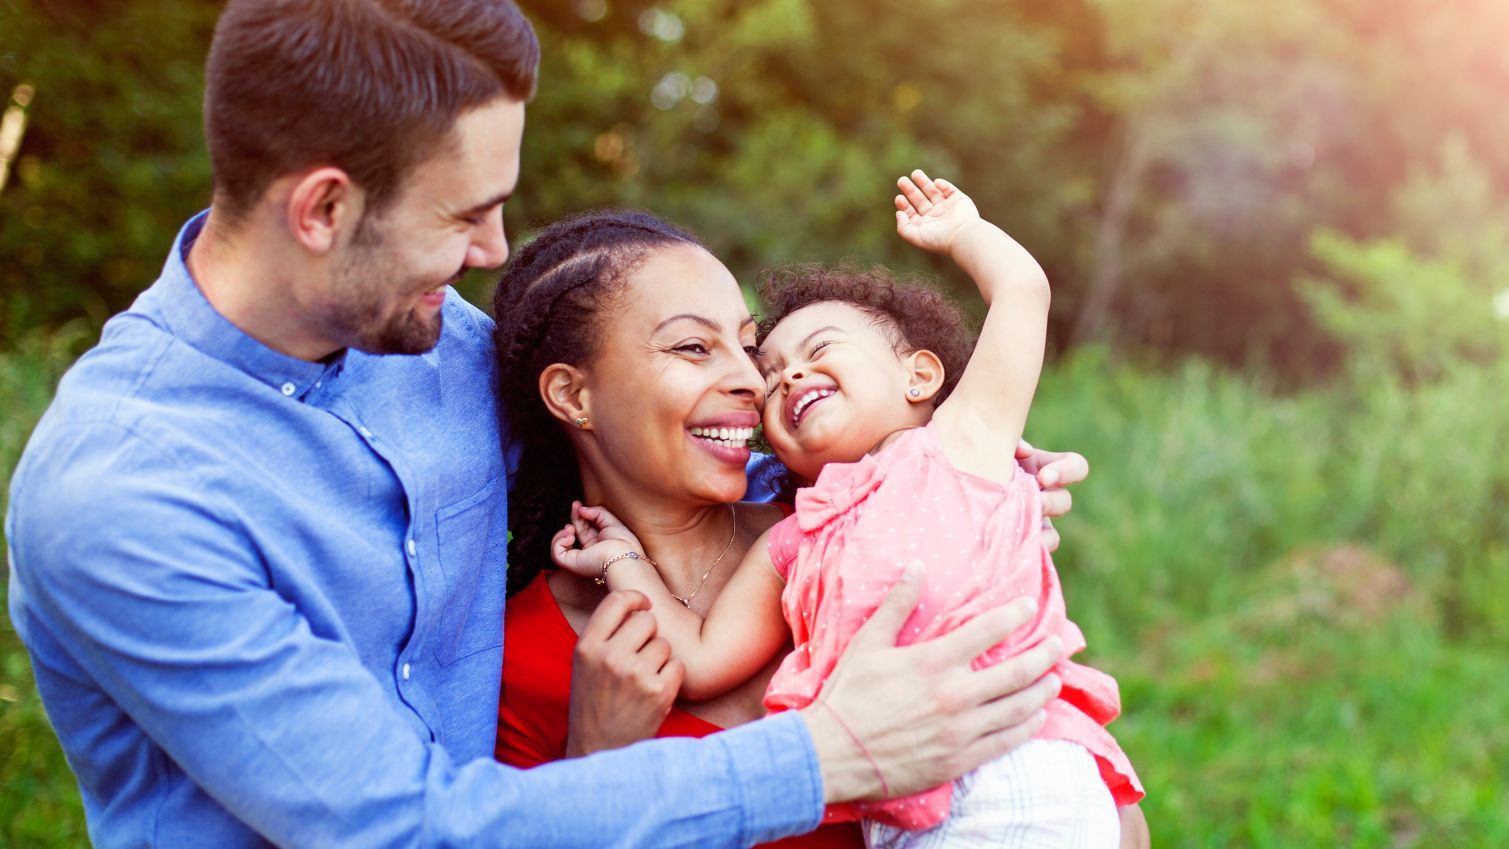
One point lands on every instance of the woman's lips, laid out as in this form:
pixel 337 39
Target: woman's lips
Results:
pixel 731 449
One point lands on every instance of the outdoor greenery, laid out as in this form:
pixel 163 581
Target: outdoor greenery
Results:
pixel 1278 235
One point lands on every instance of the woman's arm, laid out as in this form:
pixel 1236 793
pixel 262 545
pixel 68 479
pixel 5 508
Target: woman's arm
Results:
pixel 989 406
pixel 742 631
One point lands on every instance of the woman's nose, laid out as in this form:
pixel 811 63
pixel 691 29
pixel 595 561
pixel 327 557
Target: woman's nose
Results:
pixel 745 379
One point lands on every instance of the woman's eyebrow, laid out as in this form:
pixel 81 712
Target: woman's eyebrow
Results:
pixel 686 316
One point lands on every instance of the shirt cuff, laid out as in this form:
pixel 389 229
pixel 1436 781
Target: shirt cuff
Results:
pixel 775 766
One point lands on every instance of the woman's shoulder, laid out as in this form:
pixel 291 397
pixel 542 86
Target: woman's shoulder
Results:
pixel 756 518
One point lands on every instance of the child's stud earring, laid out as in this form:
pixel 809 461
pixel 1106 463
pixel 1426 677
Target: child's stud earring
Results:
pixel 581 421
pixel 914 392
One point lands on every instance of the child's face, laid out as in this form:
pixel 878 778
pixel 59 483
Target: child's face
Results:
pixel 835 387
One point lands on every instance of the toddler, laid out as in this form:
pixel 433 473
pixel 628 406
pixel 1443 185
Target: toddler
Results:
pixel 910 455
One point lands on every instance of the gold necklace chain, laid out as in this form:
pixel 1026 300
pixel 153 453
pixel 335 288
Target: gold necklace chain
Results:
pixel 733 532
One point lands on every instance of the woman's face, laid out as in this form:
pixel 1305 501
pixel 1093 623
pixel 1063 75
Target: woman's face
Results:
pixel 674 396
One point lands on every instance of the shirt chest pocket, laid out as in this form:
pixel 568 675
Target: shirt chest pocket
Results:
pixel 472 538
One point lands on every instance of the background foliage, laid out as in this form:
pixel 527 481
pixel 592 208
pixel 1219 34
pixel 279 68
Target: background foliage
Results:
pixel 1279 237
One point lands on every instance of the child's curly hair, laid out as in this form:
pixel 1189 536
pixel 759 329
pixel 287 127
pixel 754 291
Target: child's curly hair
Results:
pixel 913 315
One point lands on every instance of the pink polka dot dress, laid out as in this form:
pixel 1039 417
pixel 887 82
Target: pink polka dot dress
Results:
pixel 851 538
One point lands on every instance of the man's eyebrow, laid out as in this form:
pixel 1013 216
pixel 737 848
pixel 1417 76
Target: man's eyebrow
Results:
pixel 497 200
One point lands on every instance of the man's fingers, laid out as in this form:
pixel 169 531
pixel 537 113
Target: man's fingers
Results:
pixel 1027 672
pixel 610 613
pixel 971 639
pixel 1064 470
pixel 994 744
pixel 885 623
pixel 1057 502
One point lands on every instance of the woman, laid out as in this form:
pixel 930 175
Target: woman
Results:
pixel 624 353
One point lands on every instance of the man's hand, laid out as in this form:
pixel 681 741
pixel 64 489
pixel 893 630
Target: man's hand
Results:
pixel 921 716
pixel 623 679
pixel 1054 472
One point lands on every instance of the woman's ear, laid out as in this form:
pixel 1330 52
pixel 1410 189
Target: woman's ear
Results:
pixel 925 378
pixel 563 388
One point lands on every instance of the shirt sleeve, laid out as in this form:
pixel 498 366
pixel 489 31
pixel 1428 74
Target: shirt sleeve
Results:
pixel 149 584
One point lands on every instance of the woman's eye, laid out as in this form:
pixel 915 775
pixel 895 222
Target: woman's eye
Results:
pixel 692 348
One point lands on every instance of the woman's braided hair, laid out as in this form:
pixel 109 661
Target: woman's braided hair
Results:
pixel 548 307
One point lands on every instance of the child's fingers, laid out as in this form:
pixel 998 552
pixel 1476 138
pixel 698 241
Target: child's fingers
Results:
pixel 928 187
pixel 946 187
pixel 901 204
pixel 901 219
pixel 914 195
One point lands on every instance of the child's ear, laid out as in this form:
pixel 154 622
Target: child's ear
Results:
pixel 563 388
pixel 926 376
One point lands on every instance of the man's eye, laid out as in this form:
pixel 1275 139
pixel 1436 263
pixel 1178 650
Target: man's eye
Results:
pixel 753 351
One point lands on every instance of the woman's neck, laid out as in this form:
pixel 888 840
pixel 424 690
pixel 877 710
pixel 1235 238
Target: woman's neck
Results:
pixel 682 538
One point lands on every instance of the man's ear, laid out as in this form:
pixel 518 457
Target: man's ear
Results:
pixel 563 388
pixel 925 377
pixel 321 205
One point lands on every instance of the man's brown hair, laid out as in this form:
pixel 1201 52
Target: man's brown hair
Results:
pixel 368 86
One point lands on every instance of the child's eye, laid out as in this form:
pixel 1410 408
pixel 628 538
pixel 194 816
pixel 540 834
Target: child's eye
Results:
pixel 819 346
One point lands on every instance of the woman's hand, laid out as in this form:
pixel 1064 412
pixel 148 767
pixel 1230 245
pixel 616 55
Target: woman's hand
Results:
pixel 1054 472
pixel 623 679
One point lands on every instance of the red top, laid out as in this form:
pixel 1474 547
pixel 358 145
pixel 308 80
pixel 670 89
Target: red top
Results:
pixel 538 642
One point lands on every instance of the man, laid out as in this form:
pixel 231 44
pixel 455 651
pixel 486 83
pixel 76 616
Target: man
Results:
pixel 257 541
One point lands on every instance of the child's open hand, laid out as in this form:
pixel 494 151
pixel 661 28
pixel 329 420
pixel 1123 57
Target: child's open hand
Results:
pixel 931 214
pixel 592 536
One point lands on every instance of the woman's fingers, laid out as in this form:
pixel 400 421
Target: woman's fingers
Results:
pixel 611 614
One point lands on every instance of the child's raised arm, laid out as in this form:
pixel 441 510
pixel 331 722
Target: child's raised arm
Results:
pixel 981 421
pixel 742 631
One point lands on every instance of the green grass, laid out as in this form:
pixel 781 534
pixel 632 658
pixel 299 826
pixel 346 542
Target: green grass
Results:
pixel 1305 598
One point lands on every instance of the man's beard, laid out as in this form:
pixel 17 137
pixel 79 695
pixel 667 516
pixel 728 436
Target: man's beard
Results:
pixel 357 313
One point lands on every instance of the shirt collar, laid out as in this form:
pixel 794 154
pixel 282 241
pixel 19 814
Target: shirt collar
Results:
pixel 189 316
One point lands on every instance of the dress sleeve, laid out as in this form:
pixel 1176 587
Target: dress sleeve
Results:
pixel 784 543
pixel 145 580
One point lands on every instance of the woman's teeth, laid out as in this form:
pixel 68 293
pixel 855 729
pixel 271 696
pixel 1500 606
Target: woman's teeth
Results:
pixel 806 400
pixel 729 437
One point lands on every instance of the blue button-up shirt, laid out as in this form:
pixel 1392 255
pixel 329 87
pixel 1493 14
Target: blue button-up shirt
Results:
pixel 263 599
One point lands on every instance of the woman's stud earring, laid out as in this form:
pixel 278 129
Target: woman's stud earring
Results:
pixel 581 421
pixel 914 392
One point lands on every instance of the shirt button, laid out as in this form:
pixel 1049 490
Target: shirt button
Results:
pixel 413 549
pixel 366 434
pixel 319 384
pixel 405 672
pixel 288 388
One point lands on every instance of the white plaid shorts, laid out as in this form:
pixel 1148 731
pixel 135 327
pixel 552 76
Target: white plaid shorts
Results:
pixel 1046 794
